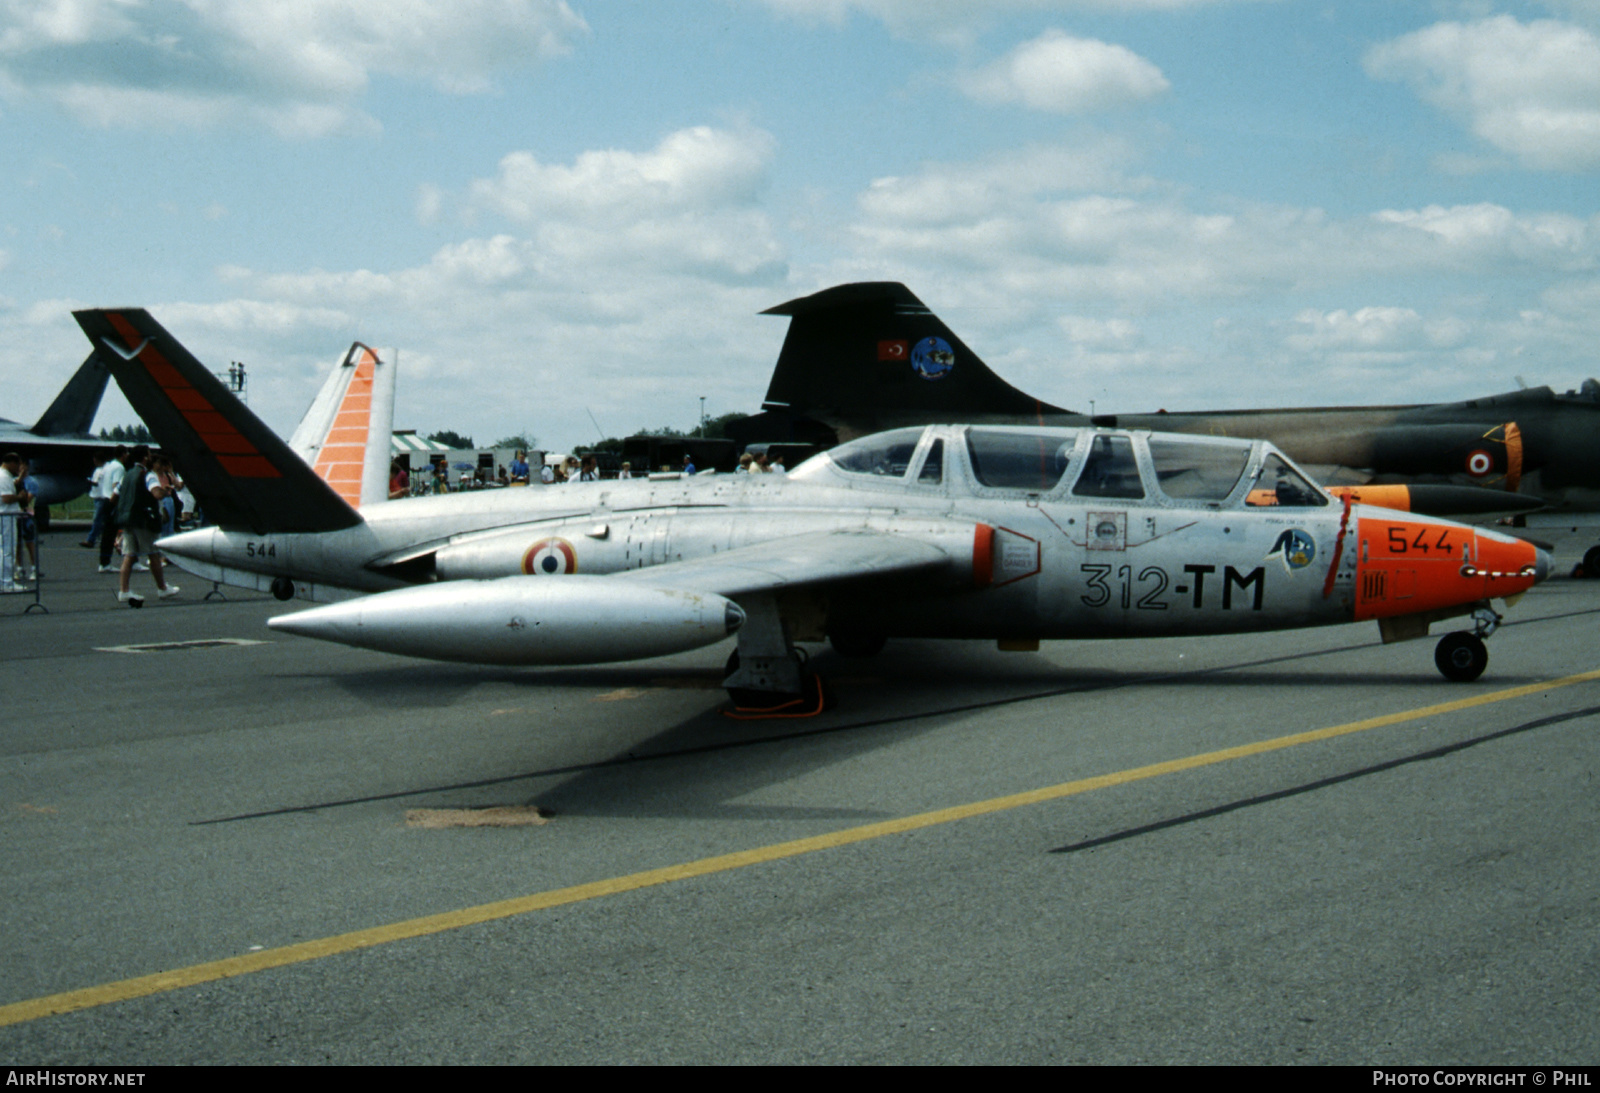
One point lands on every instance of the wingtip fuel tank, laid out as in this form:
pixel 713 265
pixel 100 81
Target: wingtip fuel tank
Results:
pixel 524 620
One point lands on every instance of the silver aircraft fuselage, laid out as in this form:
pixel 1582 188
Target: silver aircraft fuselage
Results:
pixel 1034 533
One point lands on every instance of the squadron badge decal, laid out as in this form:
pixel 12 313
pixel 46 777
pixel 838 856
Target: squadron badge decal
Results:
pixel 932 359
pixel 1296 548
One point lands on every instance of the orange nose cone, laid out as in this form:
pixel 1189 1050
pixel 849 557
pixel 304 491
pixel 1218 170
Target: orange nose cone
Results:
pixel 1408 566
pixel 1506 566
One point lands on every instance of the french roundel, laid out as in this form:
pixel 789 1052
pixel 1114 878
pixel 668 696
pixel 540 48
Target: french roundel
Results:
pixel 549 557
pixel 1479 463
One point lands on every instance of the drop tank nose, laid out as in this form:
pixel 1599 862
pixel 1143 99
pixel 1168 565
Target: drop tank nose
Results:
pixel 1541 564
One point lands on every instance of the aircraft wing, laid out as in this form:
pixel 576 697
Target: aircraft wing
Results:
pixel 822 558
pixel 582 619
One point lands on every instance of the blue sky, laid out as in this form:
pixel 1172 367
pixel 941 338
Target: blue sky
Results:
pixel 557 210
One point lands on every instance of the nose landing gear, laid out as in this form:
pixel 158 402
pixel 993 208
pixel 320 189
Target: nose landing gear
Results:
pixel 1462 656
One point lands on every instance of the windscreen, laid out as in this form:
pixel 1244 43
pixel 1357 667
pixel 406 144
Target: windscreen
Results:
pixel 1281 485
pixel 887 455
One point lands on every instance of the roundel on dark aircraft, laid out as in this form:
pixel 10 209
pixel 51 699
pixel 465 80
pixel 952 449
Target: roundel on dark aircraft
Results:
pixel 1479 462
pixel 549 557
pixel 932 359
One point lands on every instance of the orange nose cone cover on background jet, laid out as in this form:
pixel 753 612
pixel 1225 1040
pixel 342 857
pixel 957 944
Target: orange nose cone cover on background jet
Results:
pixel 1407 567
pixel 1386 497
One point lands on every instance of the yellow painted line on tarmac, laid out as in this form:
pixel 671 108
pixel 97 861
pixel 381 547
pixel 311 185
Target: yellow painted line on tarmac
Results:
pixel 195 974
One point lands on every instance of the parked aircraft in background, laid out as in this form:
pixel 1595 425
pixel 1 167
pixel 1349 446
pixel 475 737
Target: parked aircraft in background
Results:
pixel 859 358
pixel 59 445
pixel 1015 534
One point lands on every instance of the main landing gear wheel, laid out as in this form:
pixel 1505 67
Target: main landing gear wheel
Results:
pixel 1591 563
pixel 1461 656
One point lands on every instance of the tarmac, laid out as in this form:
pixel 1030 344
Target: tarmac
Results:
pixel 224 845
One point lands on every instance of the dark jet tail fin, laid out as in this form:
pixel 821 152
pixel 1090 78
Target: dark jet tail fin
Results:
pixel 867 355
pixel 72 413
pixel 244 477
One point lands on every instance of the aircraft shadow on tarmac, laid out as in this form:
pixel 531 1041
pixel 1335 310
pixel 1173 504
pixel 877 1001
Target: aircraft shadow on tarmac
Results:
pixel 910 679
pixel 689 770
pixel 697 767
pixel 908 669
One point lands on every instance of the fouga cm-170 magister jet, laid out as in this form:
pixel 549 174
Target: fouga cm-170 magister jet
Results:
pixel 1008 533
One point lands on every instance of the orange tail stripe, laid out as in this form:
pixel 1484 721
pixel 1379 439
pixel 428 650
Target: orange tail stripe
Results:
pixel 236 454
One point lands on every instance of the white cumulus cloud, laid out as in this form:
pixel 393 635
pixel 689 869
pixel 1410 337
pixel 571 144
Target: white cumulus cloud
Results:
pixel 956 19
pixel 1094 333
pixel 950 193
pixel 1137 293
pixel 1066 75
pixel 298 67
pixel 1373 328
pixel 611 283
pixel 697 168
pixel 1487 232
pixel 1531 90
pixel 689 204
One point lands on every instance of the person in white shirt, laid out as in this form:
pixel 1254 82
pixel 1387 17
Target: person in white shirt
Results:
pixel 99 499
pixel 12 498
pixel 110 483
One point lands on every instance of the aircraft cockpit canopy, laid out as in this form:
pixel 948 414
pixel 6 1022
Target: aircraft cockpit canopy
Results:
pixel 886 455
pixel 1090 464
pixel 1277 483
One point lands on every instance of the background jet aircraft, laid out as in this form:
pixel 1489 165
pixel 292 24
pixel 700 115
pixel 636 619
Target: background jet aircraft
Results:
pixel 863 357
pixel 1009 533
pixel 60 446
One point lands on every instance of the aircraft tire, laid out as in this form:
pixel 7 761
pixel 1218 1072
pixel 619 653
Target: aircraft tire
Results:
pixel 282 588
pixel 857 643
pixel 1461 656
pixel 1591 563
